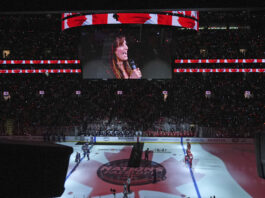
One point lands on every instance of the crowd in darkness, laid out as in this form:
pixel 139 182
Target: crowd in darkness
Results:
pixel 223 44
pixel 37 37
pixel 142 105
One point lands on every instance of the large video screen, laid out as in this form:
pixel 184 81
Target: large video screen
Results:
pixel 128 45
pixel 125 53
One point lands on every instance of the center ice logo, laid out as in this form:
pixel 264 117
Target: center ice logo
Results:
pixel 117 172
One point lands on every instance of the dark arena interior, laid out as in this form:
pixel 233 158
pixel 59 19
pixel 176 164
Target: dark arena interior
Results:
pixel 142 99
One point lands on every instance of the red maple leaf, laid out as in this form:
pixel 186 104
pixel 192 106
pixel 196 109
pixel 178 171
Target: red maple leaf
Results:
pixel 176 174
pixel 76 21
pixel 133 17
pixel 186 22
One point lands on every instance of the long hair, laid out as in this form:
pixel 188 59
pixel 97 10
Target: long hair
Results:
pixel 118 41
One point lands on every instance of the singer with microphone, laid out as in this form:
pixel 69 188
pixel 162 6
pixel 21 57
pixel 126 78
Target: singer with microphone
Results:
pixel 120 65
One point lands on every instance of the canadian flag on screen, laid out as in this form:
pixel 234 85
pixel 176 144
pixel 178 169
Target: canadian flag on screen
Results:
pixel 186 19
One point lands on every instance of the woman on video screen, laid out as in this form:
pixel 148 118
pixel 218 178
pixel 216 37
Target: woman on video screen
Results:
pixel 119 60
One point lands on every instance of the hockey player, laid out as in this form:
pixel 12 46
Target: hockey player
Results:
pixel 188 146
pixel 146 154
pixel 77 157
pixel 87 154
pixel 189 158
pixel 84 148
pixel 186 158
pixel 125 191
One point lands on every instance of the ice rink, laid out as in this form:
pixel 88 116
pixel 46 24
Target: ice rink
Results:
pixel 220 170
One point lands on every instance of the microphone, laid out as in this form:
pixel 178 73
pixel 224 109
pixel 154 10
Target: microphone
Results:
pixel 132 63
pixel 136 72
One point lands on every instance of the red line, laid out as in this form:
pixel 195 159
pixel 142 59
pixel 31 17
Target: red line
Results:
pixel 38 62
pixel 39 71
pixel 221 70
pixel 227 61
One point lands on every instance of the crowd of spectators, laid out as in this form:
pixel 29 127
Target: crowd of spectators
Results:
pixel 37 36
pixel 246 43
pixel 239 18
pixel 142 107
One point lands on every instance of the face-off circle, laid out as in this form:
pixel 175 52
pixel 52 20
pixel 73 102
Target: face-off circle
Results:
pixel 117 172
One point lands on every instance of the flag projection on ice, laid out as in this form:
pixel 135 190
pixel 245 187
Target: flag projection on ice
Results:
pixel 184 19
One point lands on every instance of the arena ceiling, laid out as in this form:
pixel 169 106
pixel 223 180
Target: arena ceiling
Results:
pixel 58 6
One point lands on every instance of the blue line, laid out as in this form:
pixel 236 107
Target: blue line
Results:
pixel 191 172
pixel 69 174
